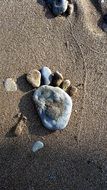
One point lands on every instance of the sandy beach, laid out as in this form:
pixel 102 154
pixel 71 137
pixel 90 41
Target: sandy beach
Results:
pixel 31 37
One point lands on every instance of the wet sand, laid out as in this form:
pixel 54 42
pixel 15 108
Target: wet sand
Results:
pixel 75 158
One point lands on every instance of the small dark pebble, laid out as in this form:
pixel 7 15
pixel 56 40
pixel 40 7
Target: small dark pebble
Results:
pixel 88 161
pixel 57 79
pixel 75 137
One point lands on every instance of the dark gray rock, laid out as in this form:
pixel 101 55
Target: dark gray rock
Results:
pixel 57 78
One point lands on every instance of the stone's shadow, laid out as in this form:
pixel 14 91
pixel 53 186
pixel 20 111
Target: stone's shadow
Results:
pixel 100 23
pixel 11 132
pixel 49 168
pixel 48 14
pixel 28 109
pixel 23 85
pixel 76 10
pixel 96 5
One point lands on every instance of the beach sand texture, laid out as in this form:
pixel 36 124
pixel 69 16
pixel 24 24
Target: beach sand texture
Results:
pixel 30 37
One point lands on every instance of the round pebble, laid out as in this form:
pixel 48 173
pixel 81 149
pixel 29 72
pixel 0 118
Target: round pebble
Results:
pixel 65 85
pixel 70 9
pixel 54 107
pixel 37 146
pixel 46 75
pixel 57 79
pixel 73 90
pixel 59 7
pixel 10 85
pixel 34 78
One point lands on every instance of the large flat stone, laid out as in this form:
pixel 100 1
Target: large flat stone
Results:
pixel 54 106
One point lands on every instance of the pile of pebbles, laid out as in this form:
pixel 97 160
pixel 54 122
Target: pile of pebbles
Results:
pixel 52 97
pixel 45 77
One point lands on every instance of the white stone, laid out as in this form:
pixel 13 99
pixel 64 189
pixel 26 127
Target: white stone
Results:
pixel 10 85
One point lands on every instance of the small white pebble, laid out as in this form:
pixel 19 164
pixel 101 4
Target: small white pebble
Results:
pixel 10 85
pixel 75 111
pixel 37 146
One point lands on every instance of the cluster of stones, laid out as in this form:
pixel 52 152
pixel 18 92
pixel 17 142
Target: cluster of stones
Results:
pixel 58 7
pixel 45 77
pixel 53 104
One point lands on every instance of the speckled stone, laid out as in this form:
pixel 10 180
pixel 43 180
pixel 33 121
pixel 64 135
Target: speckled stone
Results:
pixel 54 107
pixel 57 79
pixel 46 75
pixel 34 78
pixel 10 85
pixel 65 85
pixel 19 129
pixel 57 6
pixel 37 146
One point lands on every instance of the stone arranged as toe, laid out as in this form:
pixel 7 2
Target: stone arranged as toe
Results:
pixel 34 78
pixel 46 75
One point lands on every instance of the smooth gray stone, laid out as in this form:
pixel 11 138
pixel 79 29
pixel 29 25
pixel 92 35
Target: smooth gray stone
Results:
pixel 37 146
pixel 54 107
pixel 57 6
pixel 46 75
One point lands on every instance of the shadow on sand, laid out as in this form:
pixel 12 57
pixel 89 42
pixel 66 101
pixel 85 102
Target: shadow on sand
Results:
pixel 50 168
